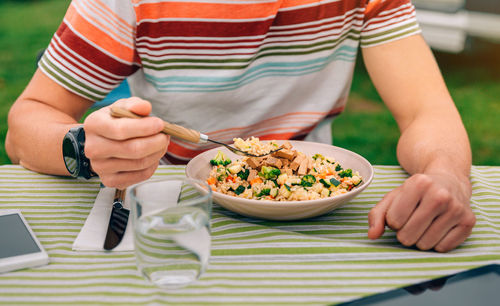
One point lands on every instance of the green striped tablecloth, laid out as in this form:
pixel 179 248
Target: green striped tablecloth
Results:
pixel 325 260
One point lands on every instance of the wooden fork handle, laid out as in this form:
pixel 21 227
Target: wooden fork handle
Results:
pixel 168 128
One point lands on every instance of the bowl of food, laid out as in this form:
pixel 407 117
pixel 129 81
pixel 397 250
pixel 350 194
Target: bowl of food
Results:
pixel 301 180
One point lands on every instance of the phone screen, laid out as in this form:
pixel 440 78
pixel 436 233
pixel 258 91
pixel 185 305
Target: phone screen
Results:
pixel 479 286
pixel 15 239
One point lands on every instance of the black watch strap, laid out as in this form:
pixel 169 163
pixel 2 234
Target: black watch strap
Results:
pixel 77 164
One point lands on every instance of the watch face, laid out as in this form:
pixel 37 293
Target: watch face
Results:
pixel 70 155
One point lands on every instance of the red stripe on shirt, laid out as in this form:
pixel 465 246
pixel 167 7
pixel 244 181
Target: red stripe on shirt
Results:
pixel 92 54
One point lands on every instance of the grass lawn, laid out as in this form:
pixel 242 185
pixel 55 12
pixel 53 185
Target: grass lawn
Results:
pixel 25 28
pixel 473 79
pixel 366 126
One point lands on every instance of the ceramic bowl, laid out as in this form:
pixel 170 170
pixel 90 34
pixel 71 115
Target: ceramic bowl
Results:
pixel 199 168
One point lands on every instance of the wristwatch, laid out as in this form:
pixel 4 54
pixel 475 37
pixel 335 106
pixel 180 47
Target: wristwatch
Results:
pixel 76 162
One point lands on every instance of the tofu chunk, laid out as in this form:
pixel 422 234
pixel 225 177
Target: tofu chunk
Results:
pixel 294 165
pixel 273 162
pixel 254 162
pixel 303 167
pixel 285 154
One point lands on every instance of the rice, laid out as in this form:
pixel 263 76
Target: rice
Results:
pixel 254 146
pixel 285 175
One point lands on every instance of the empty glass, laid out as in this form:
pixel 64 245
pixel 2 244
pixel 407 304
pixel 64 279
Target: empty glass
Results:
pixel 171 220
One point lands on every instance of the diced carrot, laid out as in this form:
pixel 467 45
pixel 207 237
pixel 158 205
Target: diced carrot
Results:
pixel 211 181
pixel 256 180
pixel 322 175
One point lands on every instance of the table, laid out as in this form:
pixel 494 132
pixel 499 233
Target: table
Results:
pixel 320 261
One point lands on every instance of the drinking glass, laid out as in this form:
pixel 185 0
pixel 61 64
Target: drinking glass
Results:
pixel 171 221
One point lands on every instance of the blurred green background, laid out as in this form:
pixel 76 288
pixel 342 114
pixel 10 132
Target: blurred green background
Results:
pixel 365 127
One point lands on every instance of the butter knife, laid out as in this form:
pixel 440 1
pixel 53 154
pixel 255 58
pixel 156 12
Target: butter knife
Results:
pixel 117 221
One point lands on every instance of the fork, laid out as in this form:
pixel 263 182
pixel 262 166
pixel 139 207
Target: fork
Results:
pixel 182 132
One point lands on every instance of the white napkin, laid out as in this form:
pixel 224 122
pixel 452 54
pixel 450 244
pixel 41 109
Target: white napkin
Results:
pixel 93 233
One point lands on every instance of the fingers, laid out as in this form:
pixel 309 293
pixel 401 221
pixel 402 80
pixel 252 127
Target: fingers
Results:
pixel 407 201
pixel 102 124
pixel 110 165
pixel 429 216
pixel 377 216
pixel 124 151
pixel 427 212
pixel 457 234
pixel 134 148
pixel 439 227
pixel 123 172
pixel 136 105
pixel 406 198
pixel 122 180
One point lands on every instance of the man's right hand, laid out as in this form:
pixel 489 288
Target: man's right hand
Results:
pixel 124 151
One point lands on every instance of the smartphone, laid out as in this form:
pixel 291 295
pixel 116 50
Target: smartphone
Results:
pixel 19 247
pixel 478 286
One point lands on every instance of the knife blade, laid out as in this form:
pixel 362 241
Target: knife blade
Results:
pixel 117 221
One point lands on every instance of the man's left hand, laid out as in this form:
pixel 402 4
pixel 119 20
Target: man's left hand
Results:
pixel 430 211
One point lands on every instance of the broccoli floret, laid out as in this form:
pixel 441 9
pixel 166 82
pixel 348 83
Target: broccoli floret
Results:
pixel 308 180
pixel 243 174
pixel 221 174
pixel 240 189
pixel 220 159
pixel 269 173
pixel 338 167
pixel 334 182
pixel 264 192
pixel 325 183
pixel 346 172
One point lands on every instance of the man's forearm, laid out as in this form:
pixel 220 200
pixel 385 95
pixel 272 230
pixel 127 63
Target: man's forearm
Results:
pixel 38 121
pixel 436 143
pixel 35 136
pixel 431 209
pixel 409 81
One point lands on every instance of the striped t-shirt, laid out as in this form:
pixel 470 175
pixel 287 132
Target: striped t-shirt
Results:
pixel 228 68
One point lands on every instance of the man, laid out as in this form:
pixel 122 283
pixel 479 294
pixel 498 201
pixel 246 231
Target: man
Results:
pixel 271 69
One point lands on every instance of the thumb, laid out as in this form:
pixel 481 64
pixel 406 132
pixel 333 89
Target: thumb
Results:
pixel 136 105
pixel 376 217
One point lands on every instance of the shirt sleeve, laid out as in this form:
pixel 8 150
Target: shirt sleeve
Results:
pixel 93 50
pixel 388 20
